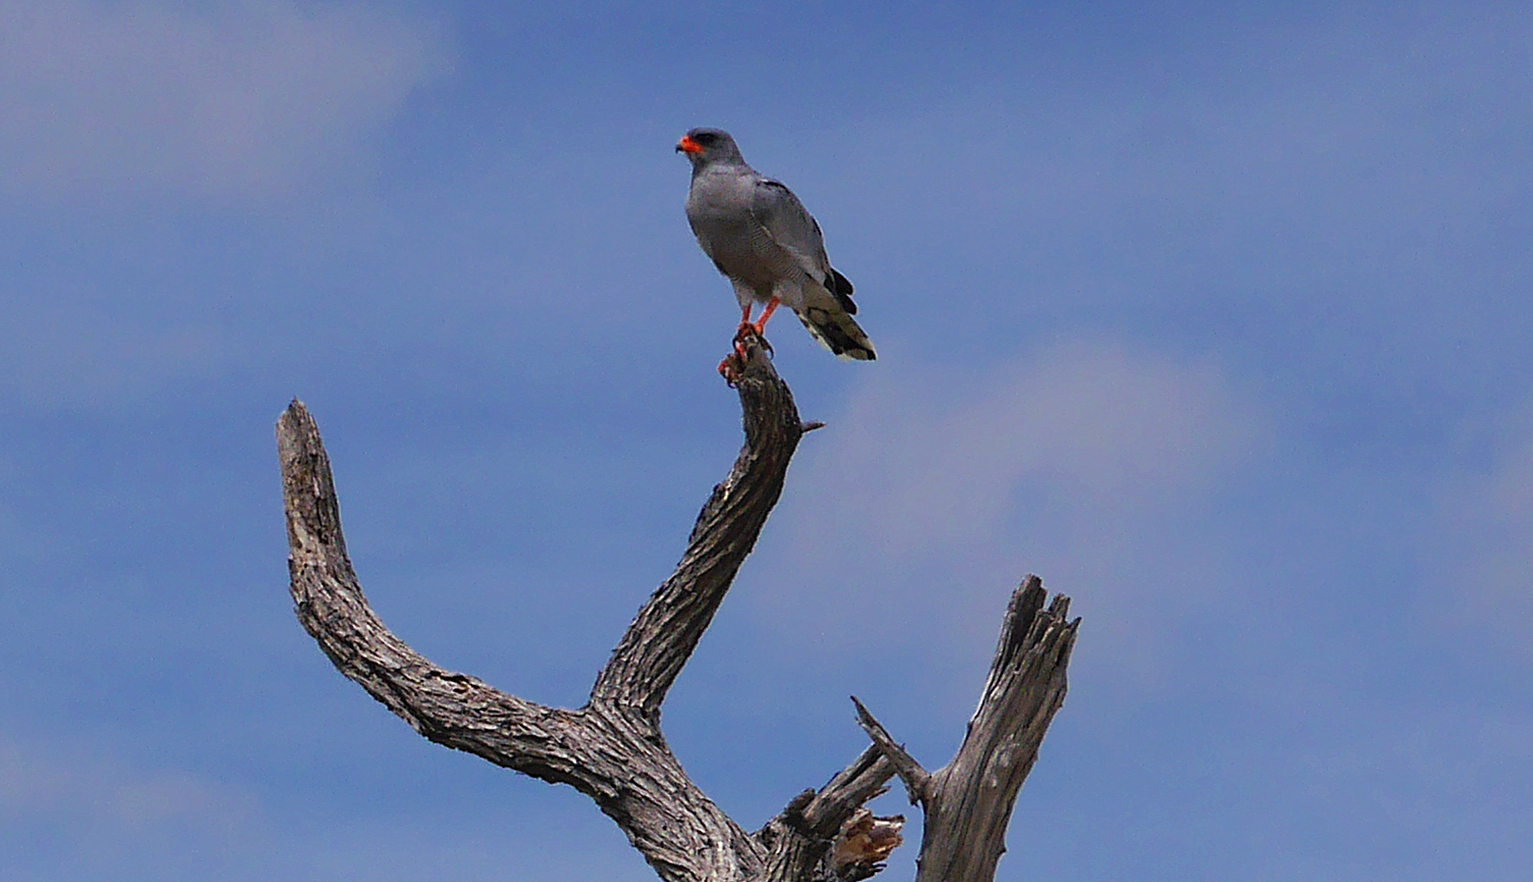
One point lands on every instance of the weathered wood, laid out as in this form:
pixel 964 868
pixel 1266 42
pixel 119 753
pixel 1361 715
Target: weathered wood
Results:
pixel 815 837
pixel 613 750
pixel 667 629
pixel 968 802
pixel 916 779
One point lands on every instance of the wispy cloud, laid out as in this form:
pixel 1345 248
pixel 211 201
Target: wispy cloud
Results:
pixel 1485 544
pixel 234 98
pixel 37 782
pixel 115 815
pixel 75 813
pixel 71 355
pixel 1090 462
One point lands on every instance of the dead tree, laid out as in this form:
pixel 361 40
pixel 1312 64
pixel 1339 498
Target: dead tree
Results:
pixel 613 751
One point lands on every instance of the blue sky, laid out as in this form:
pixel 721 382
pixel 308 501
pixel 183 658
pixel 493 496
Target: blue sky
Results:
pixel 1215 316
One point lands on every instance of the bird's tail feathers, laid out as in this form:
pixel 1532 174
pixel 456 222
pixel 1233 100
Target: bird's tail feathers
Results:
pixel 836 330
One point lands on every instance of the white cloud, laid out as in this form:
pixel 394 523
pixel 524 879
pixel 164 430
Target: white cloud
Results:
pixel 37 781
pixel 76 813
pixel 944 455
pixel 232 98
pixel 1093 464
pixel 103 816
pixel 69 355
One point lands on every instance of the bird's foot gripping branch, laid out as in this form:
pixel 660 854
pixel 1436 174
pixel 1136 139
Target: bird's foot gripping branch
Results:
pixel 612 749
pixel 748 339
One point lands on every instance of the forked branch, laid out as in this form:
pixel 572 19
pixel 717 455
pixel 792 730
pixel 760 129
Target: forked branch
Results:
pixel 612 749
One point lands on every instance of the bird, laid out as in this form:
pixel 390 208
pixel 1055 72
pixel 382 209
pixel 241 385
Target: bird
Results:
pixel 761 238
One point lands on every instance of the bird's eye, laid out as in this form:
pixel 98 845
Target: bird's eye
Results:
pixel 707 139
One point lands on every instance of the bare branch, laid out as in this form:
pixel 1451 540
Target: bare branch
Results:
pixel 851 787
pixel 622 762
pixel 667 629
pixel 802 839
pixel 969 801
pixel 917 780
pixel 449 708
pixel 613 749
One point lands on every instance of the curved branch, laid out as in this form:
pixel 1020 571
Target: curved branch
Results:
pixel 665 632
pixel 613 749
pixel 446 707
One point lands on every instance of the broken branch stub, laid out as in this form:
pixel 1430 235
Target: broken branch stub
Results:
pixel 612 749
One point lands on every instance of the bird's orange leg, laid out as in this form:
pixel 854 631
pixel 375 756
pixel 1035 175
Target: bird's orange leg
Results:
pixel 747 330
pixel 760 324
pixel 745 318
pixel 726 369
pixel 757 328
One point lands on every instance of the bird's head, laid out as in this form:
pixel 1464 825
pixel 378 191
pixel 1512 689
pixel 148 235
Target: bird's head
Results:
pixel 707 146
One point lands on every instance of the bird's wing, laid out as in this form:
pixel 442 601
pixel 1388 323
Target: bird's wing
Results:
pixel 785 223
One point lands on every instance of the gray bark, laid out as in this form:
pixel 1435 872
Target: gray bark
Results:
pixel 613 749
pixel 968 802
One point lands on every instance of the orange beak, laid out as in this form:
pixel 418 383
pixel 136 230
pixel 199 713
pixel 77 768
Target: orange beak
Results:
pixel 687 145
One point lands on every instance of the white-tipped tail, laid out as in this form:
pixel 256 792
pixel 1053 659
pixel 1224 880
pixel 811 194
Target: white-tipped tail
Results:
pixel 836 330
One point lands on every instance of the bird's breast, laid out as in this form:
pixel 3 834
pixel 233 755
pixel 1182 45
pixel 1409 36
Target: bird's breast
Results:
pixel 719 210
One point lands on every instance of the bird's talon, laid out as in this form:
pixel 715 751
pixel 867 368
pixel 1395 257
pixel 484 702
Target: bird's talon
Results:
pixel 748 332
pixel 733 365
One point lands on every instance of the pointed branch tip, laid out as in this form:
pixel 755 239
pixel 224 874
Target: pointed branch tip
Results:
pixel 917 780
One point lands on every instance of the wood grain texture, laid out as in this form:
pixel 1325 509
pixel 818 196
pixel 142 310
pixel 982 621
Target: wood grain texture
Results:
pixel 613 749
pixel 968 802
